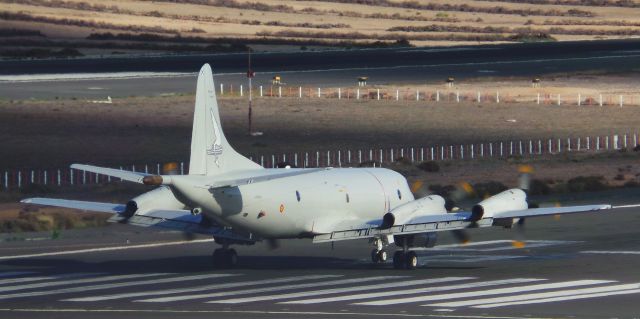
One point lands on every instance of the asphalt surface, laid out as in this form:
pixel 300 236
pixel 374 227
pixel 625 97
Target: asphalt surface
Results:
pixel 327 68
pixel 578 266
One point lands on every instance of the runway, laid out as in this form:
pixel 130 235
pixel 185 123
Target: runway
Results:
pixel 582 266
pixel 174 74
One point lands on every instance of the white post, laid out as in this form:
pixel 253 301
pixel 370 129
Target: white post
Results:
pixel 6 180
pixel 511 148
pixel 359 156
pixel 530 147
pixel 490 149
pixel 339 93
pixel 501 149
pixel 241 91
pixel 19 179
pixel 442 152
pixel 328 158
pixel 357 93
pixel 620 100
pixel 540 147
pixel 437 95
pixel 600 99
pixel 33 176
pixel 472 151
pixel 497 97
pixel 458 96
pixel 598 143
pixel 317 159
pixel 478 96
pixel 417 95
pixel 625 141
pixel 71 176
pixel 568 144
pixel 538 99
pixel 221 89
pixel 550 146
pixel 559 99
pixel 461 151
pixel 319 92
pixel 579 99
pixel 378 94
pixel 559 145
pixel 606 142
pixel 482 150
pixel 578 146
pixel 45 177
pixel 397 95
pixel 300 92
pixel 588 143
pixel 261 91
pixel 616 144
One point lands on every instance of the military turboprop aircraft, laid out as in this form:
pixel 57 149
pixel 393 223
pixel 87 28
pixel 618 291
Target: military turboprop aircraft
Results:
pixel 238 202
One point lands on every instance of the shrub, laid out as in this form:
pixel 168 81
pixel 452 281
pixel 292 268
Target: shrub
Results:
pixel 429 166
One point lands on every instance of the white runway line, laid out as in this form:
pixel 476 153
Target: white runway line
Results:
pixel 270 289
pixel 565 298
pixel 114 285
pixel 503 245
pixel 481 293
pixel 65 282
pixel 413 291
pixel 92 250
pixel 41 278
pixel 612 252
pixel 16 273
pixel 399 283
pixel 203 288
pixel 89 76
pixel 540 295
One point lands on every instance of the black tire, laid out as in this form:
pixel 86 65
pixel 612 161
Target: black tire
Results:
pixel 382 256
pixel 398 260
pixel 411 260
pixel 231 258
pixel 375 258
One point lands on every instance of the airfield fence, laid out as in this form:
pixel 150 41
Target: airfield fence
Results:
pixel 449 95
pixel 18 178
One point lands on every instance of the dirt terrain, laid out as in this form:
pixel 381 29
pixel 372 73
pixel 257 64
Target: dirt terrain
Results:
pixel 266 24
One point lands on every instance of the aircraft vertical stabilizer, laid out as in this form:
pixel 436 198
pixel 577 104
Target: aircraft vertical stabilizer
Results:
pixel 211 154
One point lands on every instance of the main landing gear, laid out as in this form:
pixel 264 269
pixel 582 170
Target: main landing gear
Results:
pixel 402 259
pixel 225 257
pixel 405 260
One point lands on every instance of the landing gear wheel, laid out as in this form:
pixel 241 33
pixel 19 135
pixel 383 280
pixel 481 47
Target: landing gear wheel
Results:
pixel 411 260
pixel 398 260
pixel 225 258
pixel 382 256
pixel 379 256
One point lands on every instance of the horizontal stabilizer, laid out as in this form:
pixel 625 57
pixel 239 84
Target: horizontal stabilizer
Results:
pixel 77 204
pixel 125 175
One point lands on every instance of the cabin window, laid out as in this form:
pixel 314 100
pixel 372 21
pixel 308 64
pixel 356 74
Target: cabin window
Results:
pixel 347 198
pixel 399 195
pixel 298 195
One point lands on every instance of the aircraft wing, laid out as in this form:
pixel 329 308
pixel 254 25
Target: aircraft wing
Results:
pixel 179 220
pixel 135 177
pixel 444 222
pixel 77 204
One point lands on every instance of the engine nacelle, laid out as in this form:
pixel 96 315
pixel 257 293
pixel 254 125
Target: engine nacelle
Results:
pixel 159 198
pixel 509 200
pixel 428 205
pixel 426 240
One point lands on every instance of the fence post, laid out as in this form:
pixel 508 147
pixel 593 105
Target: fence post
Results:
pixel 279 91
pixel 381 157
pixel 357 93
pixel 45 177
pixel 84 177
pixel 540 147
pixel 181 168
pixel 497 97
pixel 501 149
pixel 397 95
pixel 442 153
pixel 635 140
pixel 359 156
pixel 339 159
pixel 451 152
pixel 432 154
pixel 478 97
pixel 601 100
pixel 306 159
pixel 620 100
pixel 559 146
pixel 615 140
pixel 317 159
pixel 260 90
pixel 59 178
pixel 417 95
pixel 19 179
pixel 598 143
pixel 437 95
pixel 33 177
pixel 520 148
pixel 457 96
pixel 300 92
pixel 221 89
pixel 319 92
pixel 490 149
pixel 538 99
pixel 392 155
pixel 482 150
pixel 578 146
pixel 625 141
pixel 559 99
pixel 71 176
pixel 472 155
pixel 378 94
pixel 550 144
pixel 339 93
pixel 568 144
pixel 606 142
pixel 530 147
pixel 510 148
pixel 461 152
pixel 588 143
pixel 579 99
pixel 6 180
pixel 241 90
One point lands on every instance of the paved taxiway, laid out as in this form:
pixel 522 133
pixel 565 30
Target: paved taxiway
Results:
pixel 582 266
pixel 327 68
